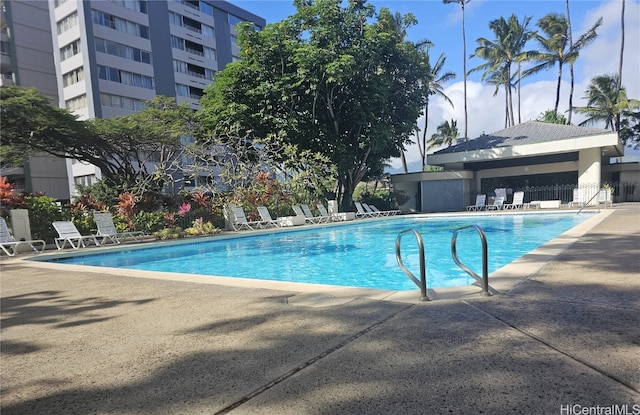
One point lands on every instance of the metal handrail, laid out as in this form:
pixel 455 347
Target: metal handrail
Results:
pixel 484 280
pixel 422 282
pixel 593 197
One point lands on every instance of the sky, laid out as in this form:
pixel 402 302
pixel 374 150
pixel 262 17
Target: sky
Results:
pixel 442 25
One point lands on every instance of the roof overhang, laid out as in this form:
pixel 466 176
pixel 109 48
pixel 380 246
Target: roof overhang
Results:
pixel 609 144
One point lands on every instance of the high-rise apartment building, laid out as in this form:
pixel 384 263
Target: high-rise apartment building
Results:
pixel 26 59
pixel 103 58
pixel 111 55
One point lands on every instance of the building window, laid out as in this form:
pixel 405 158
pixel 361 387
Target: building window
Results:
pixel 210 53
pixel 123 51
pixel 234 20
pixel 208 31
pixel 137 5
pixel 177 42
pixel 121 25
pixel 73 77
pixel 124 77
pixel 86 180
pixel 70 50
pixel 67 23
pixel 118 101
pixel 58 3
pixel 188 91
pixel 76 103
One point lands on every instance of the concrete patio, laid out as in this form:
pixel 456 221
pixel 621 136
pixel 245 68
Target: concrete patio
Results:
pixel 565 339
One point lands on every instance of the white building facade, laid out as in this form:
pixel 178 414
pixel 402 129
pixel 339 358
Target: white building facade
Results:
pixel 112 55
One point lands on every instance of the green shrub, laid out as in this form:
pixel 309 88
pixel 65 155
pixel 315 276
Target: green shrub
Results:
pixel 42 211
pixel 200 227
pixel 148 222
pixel 169 233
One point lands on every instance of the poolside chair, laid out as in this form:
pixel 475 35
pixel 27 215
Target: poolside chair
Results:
pixel 498 204
pixel 106 227
pixel 518 201
pixel 481 201
pixel 578 198
pixel 239 220
pixel 361 213
pixel 324 213
pixel 10 246
pixel 391 212
pixel 374 213
pixel 307 213
pixel 68 233
pixel 308 219
pixel 267 220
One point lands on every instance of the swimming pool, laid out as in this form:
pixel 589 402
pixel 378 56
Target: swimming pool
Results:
pixel 357 254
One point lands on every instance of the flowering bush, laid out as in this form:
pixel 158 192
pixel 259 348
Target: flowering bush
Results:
pixel 200 227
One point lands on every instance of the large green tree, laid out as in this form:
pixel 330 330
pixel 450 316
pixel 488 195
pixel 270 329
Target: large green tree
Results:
pixel 128 149
pixel 339 81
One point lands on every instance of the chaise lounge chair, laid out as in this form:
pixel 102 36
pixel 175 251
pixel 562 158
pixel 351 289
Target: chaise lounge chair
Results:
pixel 267 220
pixel 498 204
pixel 67 232
pixel 308 219
pixel 481 201
pixel 106 227
pixel 10 246
pixel 518 201
pixel 239 220
pixel 361 213
pixel 307 213
pixel 578 198
pixel 391 212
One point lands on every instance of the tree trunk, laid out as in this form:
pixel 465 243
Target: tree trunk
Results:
pixel 464 65
pixel 621 47
pixel 404 162
pixel 424 134
pixel 570 66
pixel 558 87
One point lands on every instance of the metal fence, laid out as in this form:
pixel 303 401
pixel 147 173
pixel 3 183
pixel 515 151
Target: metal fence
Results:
pixel 622 192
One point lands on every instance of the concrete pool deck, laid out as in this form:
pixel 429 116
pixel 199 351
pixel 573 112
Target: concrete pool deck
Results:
pixel 564 339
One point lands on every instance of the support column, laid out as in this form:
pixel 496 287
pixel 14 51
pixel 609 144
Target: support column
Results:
pixel 589 172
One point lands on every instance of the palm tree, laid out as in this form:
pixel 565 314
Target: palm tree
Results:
pixel 501 53
pixel 447 133
pixel 464 62
pixel 621 46
pixel 434 83
pixel 571 75
pixel 556 47
pixel 606 102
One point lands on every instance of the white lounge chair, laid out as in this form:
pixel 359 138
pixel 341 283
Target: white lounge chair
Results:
pixel 518 201
pixel 239 220
pixel 68 233
pixel 307 213
pixel 106 227
pixel 481 201
pixel 374 213
pixel 361 213
pixel 391 212
pixel 267 220
pixel 10 246
pixel 308 219
pixel 578 198
pixel 498 204
pixel 323 212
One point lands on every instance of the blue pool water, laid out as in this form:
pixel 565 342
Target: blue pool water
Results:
pixel 360 254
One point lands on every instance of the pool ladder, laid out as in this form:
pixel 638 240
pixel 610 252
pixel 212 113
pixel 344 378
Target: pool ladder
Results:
pixel 422 282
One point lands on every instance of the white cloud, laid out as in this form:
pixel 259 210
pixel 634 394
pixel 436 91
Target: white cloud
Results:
pixel 486 112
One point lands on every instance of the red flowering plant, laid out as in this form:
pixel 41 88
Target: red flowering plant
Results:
pixel 9 199
pixel 263 191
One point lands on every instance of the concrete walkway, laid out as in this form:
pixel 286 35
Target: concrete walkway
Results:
pixel 566 339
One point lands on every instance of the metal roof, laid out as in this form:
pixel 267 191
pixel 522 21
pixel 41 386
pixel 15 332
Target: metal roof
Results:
pixel 531 132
